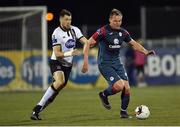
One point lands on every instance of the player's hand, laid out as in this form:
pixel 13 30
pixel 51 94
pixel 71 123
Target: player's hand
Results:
pixel 76 52
pixel 151 52
pixel 85 67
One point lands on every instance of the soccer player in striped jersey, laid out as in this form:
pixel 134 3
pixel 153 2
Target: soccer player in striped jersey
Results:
pixel 64 40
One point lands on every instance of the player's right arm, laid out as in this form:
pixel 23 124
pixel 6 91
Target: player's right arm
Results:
pixel 92 41
pixel 59 54
pixel 89 44
pixel 97 35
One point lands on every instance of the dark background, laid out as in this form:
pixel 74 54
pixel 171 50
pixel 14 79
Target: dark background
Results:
pixel 95 12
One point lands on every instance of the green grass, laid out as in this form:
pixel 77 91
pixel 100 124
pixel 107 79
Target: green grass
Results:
pixel 83 107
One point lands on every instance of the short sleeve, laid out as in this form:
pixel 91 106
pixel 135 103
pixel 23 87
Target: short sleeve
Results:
pixel 78 33
pixel 99 33
pixel 55 39
pixel 127 36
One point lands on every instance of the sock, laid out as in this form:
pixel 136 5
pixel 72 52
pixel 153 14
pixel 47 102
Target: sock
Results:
pixel 107 92
pixel 125 97
pixel 50 100
pixel 49 92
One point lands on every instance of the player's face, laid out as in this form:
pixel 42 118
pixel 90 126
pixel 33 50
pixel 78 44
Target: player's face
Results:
pixel 66 21
pixel 115 21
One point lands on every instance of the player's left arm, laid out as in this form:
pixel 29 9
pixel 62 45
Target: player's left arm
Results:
pixel 84 41
pixel 139 47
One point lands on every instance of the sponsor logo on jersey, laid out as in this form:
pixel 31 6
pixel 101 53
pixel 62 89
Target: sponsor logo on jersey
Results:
pixel 70 43
pixel 116 41
pixel 7 71
pixel 116 44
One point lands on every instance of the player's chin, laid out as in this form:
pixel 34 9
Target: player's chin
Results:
pixel 66 27
pixel 117 27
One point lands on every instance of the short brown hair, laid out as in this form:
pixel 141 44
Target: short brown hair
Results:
pixel 115 12
pixel 65 12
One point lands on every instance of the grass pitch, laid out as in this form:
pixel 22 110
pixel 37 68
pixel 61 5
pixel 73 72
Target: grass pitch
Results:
pixel 83 107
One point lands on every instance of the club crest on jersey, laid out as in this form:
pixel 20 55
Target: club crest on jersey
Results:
pixel 111 78
pixel 116 41
pixel 70 43
pixel 120 34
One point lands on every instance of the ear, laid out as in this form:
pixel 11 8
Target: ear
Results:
pixel 110 19
pixel 59 19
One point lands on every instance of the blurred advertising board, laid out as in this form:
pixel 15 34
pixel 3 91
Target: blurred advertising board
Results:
pixel 23 71
pixel 164 68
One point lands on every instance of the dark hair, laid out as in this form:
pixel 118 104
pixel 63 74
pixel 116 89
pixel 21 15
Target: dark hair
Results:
pixel 65 12
pixel 115 12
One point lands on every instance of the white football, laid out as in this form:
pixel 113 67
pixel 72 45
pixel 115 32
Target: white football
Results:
pixel 142 112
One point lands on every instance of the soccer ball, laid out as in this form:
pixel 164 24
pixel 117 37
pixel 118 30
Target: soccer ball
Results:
pixel 142 112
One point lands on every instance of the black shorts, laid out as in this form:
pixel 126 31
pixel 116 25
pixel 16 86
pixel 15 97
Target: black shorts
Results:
pixel 55 65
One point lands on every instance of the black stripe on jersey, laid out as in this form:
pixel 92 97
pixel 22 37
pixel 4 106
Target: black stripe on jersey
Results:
pixel 68 33
pixel 74 33
pixel 73 36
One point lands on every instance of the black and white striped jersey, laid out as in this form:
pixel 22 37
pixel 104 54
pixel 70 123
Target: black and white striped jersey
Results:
pixel 67 41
